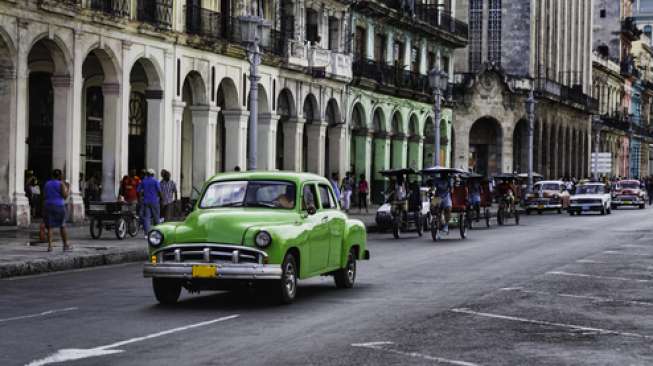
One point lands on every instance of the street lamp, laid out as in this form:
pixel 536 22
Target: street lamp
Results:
pixel 530 110
pixel 438 81
pixel 251 30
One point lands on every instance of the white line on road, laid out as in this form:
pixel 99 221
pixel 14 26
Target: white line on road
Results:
pixel 45 313
pixel 635 246
pixel 590 261
pixel 550 324
pixel 378 346
pixel 64 355
pixel 593 298
pixel 598 277
pixel 614 252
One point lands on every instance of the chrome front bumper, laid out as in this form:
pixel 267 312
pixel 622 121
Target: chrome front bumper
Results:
pixel 226 271
pixel 543 206
pixel 633 202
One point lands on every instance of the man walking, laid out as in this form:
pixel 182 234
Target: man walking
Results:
pixel 334 185
pixel 169 195
pixel 150 192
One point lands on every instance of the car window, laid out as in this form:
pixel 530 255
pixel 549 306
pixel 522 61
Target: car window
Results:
pixel 309 196
pixel 325 197
pixel 272 194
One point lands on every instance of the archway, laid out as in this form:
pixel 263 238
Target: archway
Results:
pixel 520 147
pixel 414 140
pixel 310 152
pixel 485 142
pixel 145 113
pixel 428 149
pixel 193 95
pixel 333 120
pixel 286 111
pixel 226 100
pixel 100 122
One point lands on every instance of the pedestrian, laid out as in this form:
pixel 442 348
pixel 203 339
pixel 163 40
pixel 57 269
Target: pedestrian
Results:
pixel 150 193
pixel 35 196
pixel 649 190
pixel 82 189
pixel 363 191
pixel 56 192
pixel 334 184
pixel 129 187
pixel 169 195
pixel 347 189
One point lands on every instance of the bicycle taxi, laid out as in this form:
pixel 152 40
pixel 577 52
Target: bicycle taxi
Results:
pixel 449 200
pixel 120 217
pixel 480 198
pixel 405 200
pixel 508 194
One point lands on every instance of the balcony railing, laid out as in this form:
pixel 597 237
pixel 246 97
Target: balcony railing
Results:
pixel 434 16
pixel 391 76
pixel 203 22
pixel 155 12
pixel 116 8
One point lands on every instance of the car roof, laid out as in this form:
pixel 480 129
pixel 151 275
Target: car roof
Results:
pixel 628 181
pixel 593 184
pixel 550 182
pixel 271 175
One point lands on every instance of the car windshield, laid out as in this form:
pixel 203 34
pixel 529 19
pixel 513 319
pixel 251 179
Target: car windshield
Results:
pixel 271 194
pixel 547 187
pixel 590 190
pixel 629 185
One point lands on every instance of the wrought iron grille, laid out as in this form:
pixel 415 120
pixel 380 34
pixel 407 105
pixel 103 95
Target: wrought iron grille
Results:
pixel 117 8
pixel 155 12
pixel 475 34
pixel 494 32
pixel 202 21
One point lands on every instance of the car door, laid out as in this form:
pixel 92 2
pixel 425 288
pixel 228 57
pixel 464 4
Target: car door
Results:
pixel 336 220
pixel 318 230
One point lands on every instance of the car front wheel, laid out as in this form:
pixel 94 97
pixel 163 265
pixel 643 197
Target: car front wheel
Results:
pixel 288 283
pixel 166 290
pixel 345 277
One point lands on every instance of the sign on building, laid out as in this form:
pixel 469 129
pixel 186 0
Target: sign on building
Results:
pixel 602 163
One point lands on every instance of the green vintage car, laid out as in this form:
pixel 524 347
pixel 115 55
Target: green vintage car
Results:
pixel 256 228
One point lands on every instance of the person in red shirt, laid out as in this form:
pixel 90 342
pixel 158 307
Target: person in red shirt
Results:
pixel 363 191
pixel 128 187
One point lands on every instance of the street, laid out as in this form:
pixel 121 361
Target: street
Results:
pixel 556 290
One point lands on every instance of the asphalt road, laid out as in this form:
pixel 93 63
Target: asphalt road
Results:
pixel 556 290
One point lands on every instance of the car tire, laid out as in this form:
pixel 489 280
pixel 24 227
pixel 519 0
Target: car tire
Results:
pixel 559 211
pixel 539 212
pixel 571 213
pixel 287 286
pixel 642 206
pixel 96 228
pixel 345 277
pixel 166 290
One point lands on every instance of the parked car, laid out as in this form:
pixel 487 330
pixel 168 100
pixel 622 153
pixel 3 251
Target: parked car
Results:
pixel 254 228
pixel 548 195
pixel 384 212
pixel 629 193
pixel 591 197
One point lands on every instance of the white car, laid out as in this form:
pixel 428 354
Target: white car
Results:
pixel 384 213
pixel 591 197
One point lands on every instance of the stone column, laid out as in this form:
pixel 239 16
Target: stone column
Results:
pixel 61 123
pixel 538 148
pixel 178 115
pixel 16 125
pixel 554 152
pixel 506 152
pixel 461 150
pixel 337 150
pixel 400 151
pixel 76 207
pixel 316 153
pixel 236 138
pixel 415 150
pixel 381 158
pixel 110 178
pixel 204 119
pixel 293 130
pixel 389 48
pixel 267 141
pixel 155 142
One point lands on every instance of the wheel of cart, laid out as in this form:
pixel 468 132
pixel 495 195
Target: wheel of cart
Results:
pixel 460 207
pixel 430 175
pixel 406 214
pixel 478 185
pixel 117 216
pixel 486 201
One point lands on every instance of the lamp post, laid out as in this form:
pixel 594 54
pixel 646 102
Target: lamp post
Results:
pixel 438 81
pixel 530 110
pixel 250 28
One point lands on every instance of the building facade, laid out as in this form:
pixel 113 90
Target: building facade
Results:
pixel 516 46
pixel 395 45
pixel 102 87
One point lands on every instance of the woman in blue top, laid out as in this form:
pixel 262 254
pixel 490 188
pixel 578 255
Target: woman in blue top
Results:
pixel 55 194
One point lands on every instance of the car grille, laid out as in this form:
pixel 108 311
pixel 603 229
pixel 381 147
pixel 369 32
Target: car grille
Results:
pixel 586 201
pixel 210 253
pixel 627 198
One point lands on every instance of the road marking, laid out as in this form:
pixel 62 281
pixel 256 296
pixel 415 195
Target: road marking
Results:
pixel 57 273
pixel 614 252
pixel 593 298
pixel 590 261
pixel 550 324
pixel 48 312
pixel 635 246
pixel 599 277
pixel 64 355
pixel 378 346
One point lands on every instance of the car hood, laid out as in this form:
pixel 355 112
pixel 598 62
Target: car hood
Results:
pixel 228 226
pixel 588 196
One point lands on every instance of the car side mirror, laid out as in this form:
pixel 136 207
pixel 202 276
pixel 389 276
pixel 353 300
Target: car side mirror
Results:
pixel 311 210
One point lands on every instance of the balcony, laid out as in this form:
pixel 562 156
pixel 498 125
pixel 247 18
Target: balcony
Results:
pixel 64 7
pixel 629 29
pixel 114 8
pixel 436 17
pixel 203 22
pixel 157 13
pixel 275 43
pixel 390 76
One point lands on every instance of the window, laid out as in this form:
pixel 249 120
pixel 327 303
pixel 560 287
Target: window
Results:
pixel 399 54
pixel 494 32
pixel 431 60
pixel 312 22
pixel 334 33
pixel 445 64
pixel 379 48
pixel 359 52
pixel 308 197
pixel 270 194
pixel 475 34
pixel 326 198
pixel 602 13
pixel 414 59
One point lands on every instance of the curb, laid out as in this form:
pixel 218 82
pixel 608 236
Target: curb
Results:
pixel 72 262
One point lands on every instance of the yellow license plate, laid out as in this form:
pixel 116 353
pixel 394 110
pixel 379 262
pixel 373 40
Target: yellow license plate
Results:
pixel 628 203
pixel 204 271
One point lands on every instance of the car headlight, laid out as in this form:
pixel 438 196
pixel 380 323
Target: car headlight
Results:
pixel 155 238
pixel 263 239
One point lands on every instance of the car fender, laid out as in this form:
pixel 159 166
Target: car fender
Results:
pixel 355 234
pixel 284 237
